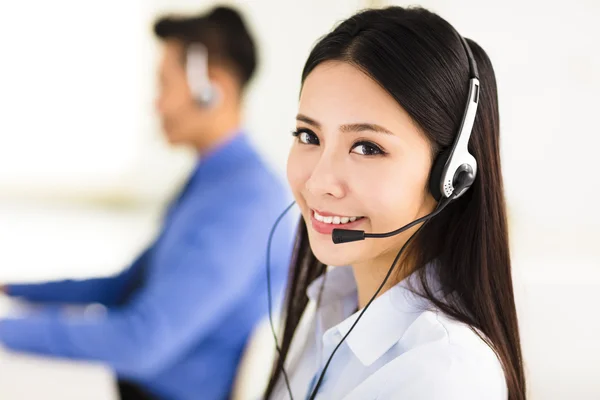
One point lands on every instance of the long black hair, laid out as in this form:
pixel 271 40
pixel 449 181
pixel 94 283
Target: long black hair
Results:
pixel 418 58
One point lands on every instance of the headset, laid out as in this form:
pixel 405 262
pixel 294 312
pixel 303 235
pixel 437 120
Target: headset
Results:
pixel 453 171
pixel 204 92
pixel 452 174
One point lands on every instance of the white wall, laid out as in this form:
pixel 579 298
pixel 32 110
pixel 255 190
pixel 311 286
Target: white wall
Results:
pixel 70 98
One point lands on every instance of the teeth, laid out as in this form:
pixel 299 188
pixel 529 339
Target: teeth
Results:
pixel 336 220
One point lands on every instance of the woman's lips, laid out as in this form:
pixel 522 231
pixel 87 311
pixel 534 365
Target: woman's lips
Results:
pixel 327 229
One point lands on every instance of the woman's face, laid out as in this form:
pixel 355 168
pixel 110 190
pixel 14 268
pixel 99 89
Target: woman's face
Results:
pixel 358 162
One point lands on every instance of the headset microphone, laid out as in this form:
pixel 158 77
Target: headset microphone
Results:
pixel 351 235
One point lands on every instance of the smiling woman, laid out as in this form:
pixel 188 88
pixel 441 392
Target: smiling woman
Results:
pixel 345 164
pixel 382 107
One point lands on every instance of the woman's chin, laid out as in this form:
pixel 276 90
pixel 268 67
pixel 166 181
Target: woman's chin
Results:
pixel 332 254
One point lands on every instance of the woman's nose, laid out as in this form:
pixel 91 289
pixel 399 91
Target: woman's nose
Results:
pixel 326 178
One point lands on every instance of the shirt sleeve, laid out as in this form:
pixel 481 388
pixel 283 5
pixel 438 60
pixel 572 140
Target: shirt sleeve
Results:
pixel 205 280
pixel 106 290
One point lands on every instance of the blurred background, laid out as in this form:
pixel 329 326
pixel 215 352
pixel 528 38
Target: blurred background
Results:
pixel 84 169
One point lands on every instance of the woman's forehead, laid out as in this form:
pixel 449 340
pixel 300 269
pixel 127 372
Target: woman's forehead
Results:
pixel 337 93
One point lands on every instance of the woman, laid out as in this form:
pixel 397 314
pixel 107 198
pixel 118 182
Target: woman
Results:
pixel 383 98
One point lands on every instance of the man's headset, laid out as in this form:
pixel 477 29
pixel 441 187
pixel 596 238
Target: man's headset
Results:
pixel 204 91
pixel 452 174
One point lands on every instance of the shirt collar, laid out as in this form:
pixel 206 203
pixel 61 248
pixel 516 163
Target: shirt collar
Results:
pixel 385 321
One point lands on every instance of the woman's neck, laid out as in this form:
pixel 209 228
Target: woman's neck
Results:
pixel 370 274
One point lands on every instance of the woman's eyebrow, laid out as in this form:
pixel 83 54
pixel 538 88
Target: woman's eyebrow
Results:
pixel 307 120
pixel 355 127
pixel 360 127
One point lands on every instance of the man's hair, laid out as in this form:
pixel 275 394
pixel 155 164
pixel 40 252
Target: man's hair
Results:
pixel 222 31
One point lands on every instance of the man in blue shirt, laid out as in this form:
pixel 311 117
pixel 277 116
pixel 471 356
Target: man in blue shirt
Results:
pixel 178 318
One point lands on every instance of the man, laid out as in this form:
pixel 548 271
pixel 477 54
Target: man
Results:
pixel 178 318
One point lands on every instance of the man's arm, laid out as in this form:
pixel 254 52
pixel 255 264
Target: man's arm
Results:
pixel 203 280
pixel 106 291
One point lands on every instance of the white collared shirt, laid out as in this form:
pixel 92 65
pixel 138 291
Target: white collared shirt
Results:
pixel 402 348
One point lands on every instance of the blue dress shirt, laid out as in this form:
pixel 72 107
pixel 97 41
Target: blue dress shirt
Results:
pixel 178 318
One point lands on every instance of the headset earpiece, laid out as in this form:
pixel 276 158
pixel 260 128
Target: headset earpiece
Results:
pixel 455 169
pixel 461 179
pixel 436 174
pixel 204 92
pixel 208 97
pixel 457 162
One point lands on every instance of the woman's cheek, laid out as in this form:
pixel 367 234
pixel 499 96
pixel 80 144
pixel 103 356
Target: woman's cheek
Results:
pixel 293 170
pixel 298 173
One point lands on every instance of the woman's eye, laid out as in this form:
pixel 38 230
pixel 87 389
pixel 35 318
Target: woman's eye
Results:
pixel 367 149
pixel 306 137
